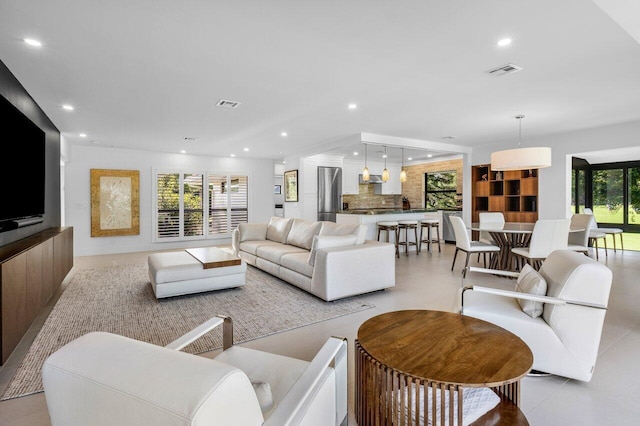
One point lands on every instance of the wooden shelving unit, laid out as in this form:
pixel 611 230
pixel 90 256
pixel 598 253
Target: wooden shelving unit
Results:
pixel 513 192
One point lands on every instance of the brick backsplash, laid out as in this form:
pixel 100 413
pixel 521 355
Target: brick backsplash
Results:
pixel 366 199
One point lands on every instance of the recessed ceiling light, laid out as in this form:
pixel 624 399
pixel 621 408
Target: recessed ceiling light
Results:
pixel 245 149
pixel 32 42
pixel 83 135
pixel 283 134
pixel 384 155
pixel 429 155
pixel 353 106
pixel 233 155
pixel 410 158
pixel 182 151
pixel 504 42
pixel 355 152
pixel 68 107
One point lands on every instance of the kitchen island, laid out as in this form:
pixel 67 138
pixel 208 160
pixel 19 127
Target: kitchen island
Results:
pixel 370 217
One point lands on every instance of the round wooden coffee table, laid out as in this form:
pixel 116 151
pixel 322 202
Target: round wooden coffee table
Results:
pixel 399 352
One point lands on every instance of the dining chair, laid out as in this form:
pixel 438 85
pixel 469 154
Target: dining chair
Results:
pixel 608 231
pixel 490 218
pixel 548 235
pixel 464 243
pixel 579 240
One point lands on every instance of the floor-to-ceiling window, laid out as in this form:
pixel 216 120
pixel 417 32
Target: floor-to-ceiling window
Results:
pixel 608 195
pixel 612 191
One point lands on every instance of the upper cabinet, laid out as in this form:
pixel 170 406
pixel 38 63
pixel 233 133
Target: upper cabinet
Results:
pixel 393 185
pixel 350 172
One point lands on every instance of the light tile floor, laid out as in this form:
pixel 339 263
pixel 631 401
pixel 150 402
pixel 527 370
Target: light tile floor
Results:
pixel 426 282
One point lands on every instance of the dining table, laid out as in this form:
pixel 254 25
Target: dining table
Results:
pixel 506 236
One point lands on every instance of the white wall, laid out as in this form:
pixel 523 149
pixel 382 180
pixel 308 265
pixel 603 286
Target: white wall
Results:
pixel 554 183
pixel 77 201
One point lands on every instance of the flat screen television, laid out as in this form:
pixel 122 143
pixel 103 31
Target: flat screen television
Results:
pixel 22 169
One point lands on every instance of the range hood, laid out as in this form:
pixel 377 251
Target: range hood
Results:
pixel 372 179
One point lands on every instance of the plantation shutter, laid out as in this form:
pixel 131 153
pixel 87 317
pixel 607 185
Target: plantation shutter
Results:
pixel 168 188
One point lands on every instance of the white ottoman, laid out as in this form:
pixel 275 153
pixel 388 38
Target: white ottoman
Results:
pixel 178 273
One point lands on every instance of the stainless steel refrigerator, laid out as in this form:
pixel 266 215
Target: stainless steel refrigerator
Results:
pixel 329 192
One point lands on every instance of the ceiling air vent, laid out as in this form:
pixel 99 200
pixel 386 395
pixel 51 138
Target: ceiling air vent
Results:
pixel 227 104
pixel 504 69
pixel 189 139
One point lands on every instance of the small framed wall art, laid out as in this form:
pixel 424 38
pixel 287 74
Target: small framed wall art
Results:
pixel 115 202
pixel 291 186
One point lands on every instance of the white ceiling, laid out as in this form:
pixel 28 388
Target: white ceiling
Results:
pixel 146 74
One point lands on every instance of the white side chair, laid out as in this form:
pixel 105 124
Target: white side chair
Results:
pixel 548 235
pixel 608 231
pixel 579 240
pixel 490 218
pixel 111 380
pixel 565 338
pixel 464 243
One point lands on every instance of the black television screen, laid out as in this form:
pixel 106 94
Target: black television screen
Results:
pixel 22 171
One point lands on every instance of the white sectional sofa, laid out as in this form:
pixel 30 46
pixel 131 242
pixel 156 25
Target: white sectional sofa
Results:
pixel 328 260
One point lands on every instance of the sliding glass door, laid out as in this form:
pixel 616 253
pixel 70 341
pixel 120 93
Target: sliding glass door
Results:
pixel 608 195
pixel 633 209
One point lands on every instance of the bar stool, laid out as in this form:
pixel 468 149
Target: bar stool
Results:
pixel 406 225
pixel 430 224
pixel 386 227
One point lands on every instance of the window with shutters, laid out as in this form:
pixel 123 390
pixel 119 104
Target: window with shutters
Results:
pixel 184 206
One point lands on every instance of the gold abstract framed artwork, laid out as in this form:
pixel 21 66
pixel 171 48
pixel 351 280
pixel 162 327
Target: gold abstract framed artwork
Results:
pixel 115 202
pixel 291 186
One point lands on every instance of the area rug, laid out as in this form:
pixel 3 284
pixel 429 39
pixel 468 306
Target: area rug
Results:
pixel 120 300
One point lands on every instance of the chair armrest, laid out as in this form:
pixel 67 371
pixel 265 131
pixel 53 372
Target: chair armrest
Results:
pixel 204 328
pixel 532 297
pixel 517 295
pixel 302 392
pixel 493 271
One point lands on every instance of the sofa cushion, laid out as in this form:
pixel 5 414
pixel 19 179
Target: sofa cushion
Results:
pixel 278 229
pixel 321 242
pixel 302 233
pixel 333 229
pixel 298 262
pixel 252 231
pixel 531 282
pixel 252 246
pixel 273 253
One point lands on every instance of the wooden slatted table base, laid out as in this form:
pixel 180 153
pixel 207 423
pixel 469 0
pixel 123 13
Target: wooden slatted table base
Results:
pixel 401 353
pixel 388 397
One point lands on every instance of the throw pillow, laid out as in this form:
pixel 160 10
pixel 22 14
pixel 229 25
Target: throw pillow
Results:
pixel 302 233
pixel 329 241
pixel 263 393
pixel 252 231
pixel 278 229
pixel 333 229
pixel 531 282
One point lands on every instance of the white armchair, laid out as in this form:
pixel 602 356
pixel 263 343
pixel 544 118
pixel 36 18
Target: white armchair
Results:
pixel 106 379
pixel 566 337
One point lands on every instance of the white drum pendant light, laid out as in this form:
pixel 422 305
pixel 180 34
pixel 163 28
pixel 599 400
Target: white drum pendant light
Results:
pixel 521 158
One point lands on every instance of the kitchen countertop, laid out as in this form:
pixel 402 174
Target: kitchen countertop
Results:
pixel 384 211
